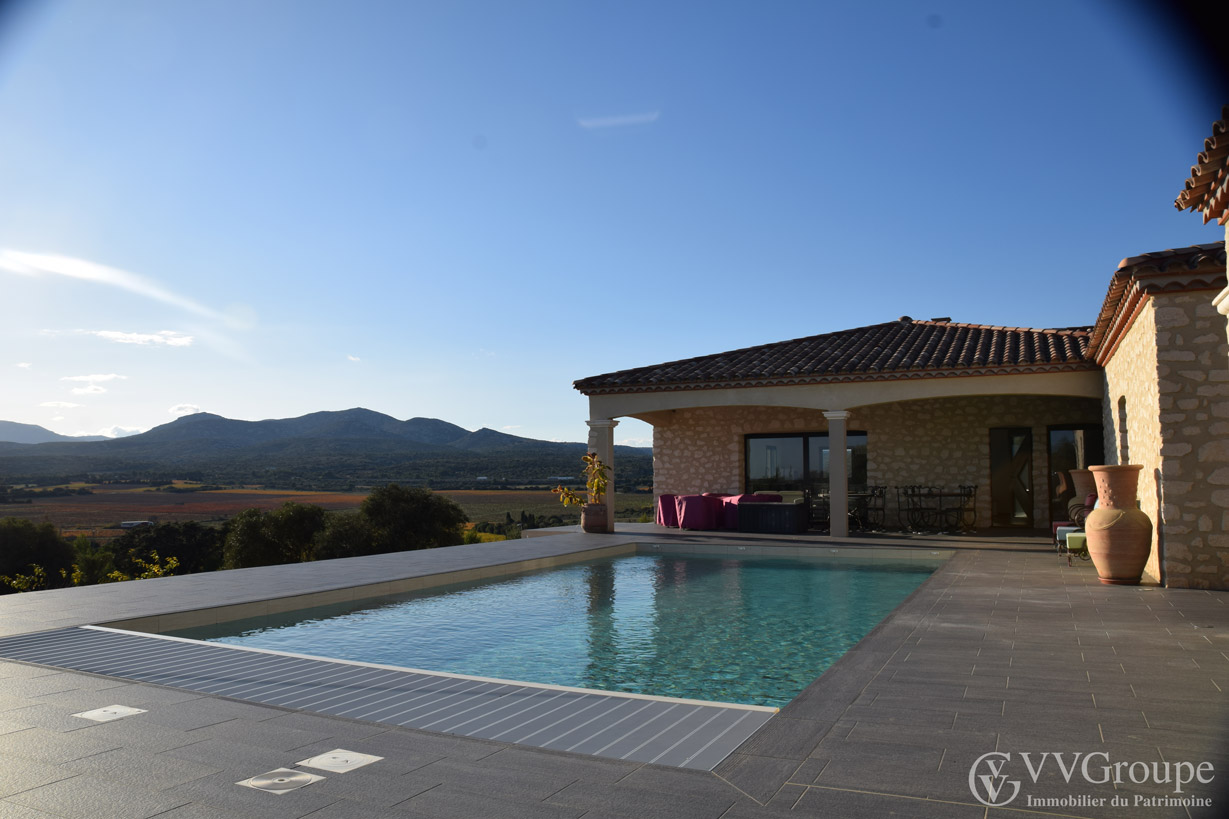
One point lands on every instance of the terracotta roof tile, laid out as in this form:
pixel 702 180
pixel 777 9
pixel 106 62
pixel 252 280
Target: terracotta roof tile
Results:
pixel 1207 189
pixel 1182 269
pixel 894 350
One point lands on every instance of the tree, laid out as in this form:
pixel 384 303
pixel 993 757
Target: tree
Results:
pixel 25 545
pixel 405 518
pixel 294 527
pixel 197 547
pixel 345 534
pixel 288 534
pixel 249 543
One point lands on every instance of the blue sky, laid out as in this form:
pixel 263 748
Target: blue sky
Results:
pixel 454 209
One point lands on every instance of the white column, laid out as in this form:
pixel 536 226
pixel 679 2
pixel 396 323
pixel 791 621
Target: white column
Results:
pixel 601 441
pixel 838 477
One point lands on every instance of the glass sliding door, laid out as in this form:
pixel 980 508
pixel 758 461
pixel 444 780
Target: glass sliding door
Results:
pixel 1071 447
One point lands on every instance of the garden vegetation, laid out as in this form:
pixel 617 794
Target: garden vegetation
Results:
pixel 391 519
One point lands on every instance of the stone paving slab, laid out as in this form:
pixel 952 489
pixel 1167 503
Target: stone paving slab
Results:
pixel 1011 611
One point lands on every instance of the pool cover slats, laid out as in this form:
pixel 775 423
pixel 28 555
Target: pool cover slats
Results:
pixel 665 732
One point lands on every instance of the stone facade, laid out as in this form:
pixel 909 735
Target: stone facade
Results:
pixel 1171 371
pixel 939 441
pixel 1131 422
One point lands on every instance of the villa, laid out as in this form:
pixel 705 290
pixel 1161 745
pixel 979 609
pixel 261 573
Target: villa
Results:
pixel 1008 410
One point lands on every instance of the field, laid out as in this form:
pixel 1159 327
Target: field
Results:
pixel 99 514
pixel 490 506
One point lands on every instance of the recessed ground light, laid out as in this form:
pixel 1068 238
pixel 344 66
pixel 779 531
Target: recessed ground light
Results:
pixel 109 713
pixel 339 761
pixel 280 781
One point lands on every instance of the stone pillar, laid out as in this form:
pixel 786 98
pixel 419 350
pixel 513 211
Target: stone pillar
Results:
pixel 838 477
pixel 601 441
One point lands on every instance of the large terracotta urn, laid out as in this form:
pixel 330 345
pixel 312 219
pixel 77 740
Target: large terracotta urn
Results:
pixel 1083 485
pixel 1119 533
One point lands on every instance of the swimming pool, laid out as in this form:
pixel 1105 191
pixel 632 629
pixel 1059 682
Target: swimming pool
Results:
pixel 722 628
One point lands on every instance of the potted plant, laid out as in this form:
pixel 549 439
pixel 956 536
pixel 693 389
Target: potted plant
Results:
pixel 593 510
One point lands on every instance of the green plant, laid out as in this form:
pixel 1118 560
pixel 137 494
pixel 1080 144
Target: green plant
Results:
pixel 154 567
pixel 597 480
pixel 34 581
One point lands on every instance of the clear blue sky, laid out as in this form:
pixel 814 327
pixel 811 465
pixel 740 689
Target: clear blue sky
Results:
pixel 454 209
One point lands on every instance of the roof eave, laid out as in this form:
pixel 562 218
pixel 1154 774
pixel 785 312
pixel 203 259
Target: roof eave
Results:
pixel 836 378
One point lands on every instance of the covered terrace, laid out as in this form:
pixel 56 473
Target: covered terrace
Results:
pixel 933 403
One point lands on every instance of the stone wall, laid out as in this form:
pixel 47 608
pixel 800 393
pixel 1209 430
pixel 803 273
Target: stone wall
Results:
pixel 1173 365
pixel 701 450
pixel 1130 418
pixel 939 441
pixel 946 442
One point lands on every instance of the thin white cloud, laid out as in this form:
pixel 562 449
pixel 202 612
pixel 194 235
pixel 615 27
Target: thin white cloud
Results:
pixel 57 418
pixel 94 378
pixel 25 365
pixel 42 264
pixel 636 442
pixel 621 121
pixel 167 338
pixel 353 358
pixel 511 426
pixel 183 409
pixel 116 431
pixel 93 381
pixel 59 404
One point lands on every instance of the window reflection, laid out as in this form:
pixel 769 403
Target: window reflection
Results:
pixel 793 463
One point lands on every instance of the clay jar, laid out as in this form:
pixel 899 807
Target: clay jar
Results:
pixel 1119 533
pixel 1084 485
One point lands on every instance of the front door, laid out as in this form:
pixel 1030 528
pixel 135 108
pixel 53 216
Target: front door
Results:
pixel 1011 476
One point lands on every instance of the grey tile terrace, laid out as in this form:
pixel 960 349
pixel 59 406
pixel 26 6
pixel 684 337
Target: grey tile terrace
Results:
pixel 1005 649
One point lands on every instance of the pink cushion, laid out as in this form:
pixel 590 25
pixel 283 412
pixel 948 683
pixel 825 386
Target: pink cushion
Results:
pixel 667 514
pixel 696 512
pixel 729 510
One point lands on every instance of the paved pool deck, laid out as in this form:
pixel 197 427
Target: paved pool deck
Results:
pixel 1005 651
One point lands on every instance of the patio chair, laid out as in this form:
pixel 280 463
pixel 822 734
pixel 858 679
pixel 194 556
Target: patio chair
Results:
pixel 696 512
pixel 667 512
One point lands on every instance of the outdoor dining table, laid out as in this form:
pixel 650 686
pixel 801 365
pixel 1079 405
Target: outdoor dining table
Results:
pixel 934 508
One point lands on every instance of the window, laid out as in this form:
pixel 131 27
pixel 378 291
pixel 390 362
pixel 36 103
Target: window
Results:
pixel 795 463
pixel 1071 447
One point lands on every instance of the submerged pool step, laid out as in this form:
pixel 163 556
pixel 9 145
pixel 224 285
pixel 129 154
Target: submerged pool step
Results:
pixel 680 733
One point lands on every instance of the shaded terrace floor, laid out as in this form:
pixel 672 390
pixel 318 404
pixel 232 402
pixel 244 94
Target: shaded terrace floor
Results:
pixel 1004 649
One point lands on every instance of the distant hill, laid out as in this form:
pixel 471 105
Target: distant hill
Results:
pixel 321 449
pixel 13 432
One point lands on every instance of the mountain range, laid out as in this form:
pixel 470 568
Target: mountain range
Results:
pixel 321 448
pixel 13 432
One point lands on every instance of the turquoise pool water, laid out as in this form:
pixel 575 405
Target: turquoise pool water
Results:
pixel 718 628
